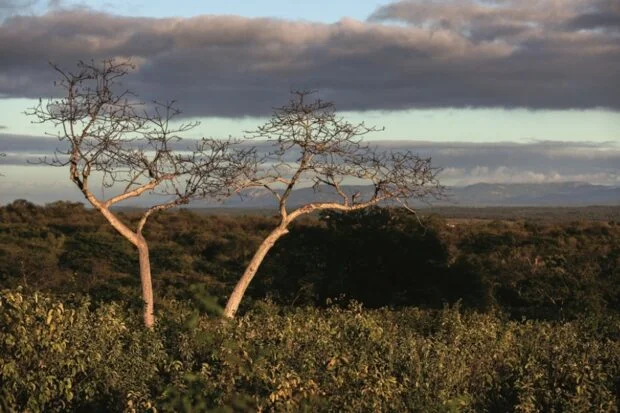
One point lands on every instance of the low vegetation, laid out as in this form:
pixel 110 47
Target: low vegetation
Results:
pixel 368 311
pixel 68 355
pixel 379 257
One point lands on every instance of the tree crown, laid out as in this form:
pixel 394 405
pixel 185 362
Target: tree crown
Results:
pixel 308 143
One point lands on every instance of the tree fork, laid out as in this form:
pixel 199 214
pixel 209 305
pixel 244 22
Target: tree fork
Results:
pixel 128 145
pixel 329 150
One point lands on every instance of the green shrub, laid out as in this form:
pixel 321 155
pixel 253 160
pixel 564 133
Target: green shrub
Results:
pixel 73 356
pixel 407 360
pixel 57 357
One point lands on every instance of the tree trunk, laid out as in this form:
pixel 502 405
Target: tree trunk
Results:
pixel 237 295
pixel 147 284
pixel 138 240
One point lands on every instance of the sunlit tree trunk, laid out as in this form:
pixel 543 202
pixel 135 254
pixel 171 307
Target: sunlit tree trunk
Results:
pixel 143 257
pixel 328 150
pixel 147 283
pixel 127 145
pixel 235 298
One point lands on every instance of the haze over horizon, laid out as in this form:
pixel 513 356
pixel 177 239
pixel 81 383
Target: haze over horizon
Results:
pixel 495 91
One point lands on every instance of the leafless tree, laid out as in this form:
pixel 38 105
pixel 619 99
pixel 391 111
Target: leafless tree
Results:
pixel 330 153
pixel 116 144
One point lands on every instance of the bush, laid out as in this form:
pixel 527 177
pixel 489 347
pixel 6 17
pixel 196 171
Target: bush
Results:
pixel 63 356
pixel 73 356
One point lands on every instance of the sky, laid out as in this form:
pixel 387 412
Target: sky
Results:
pixel 500 78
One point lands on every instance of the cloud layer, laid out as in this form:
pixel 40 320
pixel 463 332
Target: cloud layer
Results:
pixel 463 163
pixel 502 53
pixel 535 162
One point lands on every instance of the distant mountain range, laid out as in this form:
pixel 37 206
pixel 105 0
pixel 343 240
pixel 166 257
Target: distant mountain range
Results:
pixel 548 194
pixel 482 194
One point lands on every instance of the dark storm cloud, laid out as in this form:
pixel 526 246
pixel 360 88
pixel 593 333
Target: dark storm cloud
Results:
pixel 448 54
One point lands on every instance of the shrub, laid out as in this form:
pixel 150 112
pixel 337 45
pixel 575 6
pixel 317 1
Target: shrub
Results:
pixel 73 356
pixel 61 356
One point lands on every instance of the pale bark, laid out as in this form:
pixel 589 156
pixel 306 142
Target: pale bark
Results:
pixel 146 281
pixel 140 243
pixel 113 134
pixel 242 285
pixel 330 151
pixel 235 298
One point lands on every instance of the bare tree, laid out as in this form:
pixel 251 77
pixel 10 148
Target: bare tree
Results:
pixel 122 146
pixel 330 153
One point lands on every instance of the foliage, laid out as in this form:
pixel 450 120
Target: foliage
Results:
pixel 377 256
pixel 59 355
pixel 70 355
pixel 380 257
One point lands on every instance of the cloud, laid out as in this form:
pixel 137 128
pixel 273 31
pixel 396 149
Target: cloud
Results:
pixel 447 54
pixel 504 174
pixel 508 20
pixel 603 14
pixel 463 163
pixel 548 161
pixel 14 143
pixel 594 21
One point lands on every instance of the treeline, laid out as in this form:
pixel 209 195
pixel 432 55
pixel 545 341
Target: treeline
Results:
pixel 378 257
pixel 549 215
pixel 538 214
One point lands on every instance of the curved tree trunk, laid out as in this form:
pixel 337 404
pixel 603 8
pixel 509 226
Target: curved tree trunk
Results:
pixel 138 240
pixel 147 284
pixel 237 295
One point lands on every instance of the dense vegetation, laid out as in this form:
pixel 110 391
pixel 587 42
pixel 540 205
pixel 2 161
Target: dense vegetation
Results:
pixel 373 311
pixel 538 214
pixel 379 257
pixel 58 356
